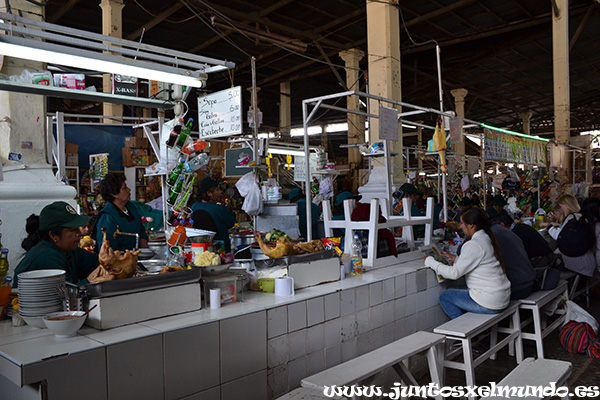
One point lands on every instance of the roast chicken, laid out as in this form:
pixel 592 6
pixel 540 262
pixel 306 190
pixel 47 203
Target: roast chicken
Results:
pixel 114 264
pixel 308 247
pixel 282 248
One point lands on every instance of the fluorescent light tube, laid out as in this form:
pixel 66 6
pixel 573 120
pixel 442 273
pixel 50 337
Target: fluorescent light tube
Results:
pixel 47 56
pixel 275 150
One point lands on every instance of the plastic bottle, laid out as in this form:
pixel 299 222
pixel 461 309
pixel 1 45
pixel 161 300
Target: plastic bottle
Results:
pixel 176 190
pixel 194 147
pixel 174 135
pixel 185 132
pixel 196 163
pixel 356 260
pixel 3 264
pixel 176 172
pixel 0 241
pixel 8 281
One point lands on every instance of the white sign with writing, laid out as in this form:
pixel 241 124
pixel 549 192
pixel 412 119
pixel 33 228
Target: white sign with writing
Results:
pixel 220 113
pixel 388 123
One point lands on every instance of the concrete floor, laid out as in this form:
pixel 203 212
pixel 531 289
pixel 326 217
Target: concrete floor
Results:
pixel 585 371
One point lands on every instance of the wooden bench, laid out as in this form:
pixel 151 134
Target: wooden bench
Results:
pixel 307 394
pixel 391 355
pixel 466 327
pixel 535 302
pixel 536 373
pixel 373 225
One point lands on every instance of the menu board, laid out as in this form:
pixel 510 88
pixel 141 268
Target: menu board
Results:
pixel 220 113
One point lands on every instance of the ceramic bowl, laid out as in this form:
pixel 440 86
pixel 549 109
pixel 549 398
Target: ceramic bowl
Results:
pixel 64 324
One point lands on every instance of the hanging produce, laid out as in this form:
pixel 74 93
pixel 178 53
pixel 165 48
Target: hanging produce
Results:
pixel 439 142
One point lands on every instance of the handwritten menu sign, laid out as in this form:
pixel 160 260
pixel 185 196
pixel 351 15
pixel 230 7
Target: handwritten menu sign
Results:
pixel 220 113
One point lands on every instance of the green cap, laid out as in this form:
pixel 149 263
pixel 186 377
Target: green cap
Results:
pixel 61 214
pixel 208 183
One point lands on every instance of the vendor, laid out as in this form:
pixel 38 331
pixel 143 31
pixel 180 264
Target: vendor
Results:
pixel 497 206
pixel 224 219
pixel 53 243
pixel 296 196
pixel 414 194
pixel 338 210
pixel 119 213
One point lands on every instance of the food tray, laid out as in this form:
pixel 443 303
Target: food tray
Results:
pixel 141 283
pixel 300 258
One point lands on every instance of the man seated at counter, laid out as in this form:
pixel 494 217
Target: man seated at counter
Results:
pixel 296 196
pixel 223 218
pixel 119 213
pixel 53 243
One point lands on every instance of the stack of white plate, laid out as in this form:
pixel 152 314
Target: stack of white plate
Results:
pixel 38 295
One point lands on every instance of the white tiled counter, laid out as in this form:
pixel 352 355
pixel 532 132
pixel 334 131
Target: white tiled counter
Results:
pixel 256 349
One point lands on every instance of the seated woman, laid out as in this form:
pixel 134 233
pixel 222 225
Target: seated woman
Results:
pixel 480 262
pixel 119 213
pixel 53 243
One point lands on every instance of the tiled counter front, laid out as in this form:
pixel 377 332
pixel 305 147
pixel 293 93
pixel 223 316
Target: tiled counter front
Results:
pixel 258 349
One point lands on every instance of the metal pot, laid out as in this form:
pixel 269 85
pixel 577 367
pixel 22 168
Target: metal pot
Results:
pixel 239 240
pixel 243 264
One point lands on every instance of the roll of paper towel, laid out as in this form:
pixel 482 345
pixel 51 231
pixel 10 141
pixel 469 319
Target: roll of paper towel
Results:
pixel 215 298
pixel 284 286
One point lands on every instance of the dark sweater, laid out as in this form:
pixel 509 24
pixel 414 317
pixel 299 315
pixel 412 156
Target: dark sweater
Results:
pixel 519 270
pixel 535 244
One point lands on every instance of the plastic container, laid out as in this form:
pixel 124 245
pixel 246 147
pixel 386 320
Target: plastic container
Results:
pixel 230 285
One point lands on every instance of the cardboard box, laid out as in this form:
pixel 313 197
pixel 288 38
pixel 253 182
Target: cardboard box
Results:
pixel 135 157
pixel 71 148
pixel 72 160
pixel 128 159
pixel 136 142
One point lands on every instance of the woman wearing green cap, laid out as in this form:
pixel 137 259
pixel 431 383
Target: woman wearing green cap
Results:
pixel 210 195
pixel 119 213
pixel 53 243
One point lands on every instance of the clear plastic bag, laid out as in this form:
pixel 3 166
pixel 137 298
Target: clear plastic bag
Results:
pixel 577 313
pixel 248 188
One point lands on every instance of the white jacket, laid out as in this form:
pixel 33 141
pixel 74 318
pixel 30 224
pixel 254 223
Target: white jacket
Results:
pixel 487 283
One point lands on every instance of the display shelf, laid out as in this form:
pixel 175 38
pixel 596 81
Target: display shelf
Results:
pixel 143 188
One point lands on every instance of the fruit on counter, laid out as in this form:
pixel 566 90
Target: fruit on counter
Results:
pixel 207 258
pixel 282 248
pixel 274 235
pixel 114 264
pixel 226 258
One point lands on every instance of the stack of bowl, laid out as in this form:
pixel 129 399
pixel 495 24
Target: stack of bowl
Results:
pixel 38 295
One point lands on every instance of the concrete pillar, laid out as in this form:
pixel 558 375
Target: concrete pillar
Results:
pixel 285 108
pixel 459 107
pixel 560 68
pixel 356 123
pixel 112 25
pixel 383 43
pixel 526 118
pixel 29 185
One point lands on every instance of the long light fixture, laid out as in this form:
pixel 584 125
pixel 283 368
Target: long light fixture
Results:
pixel 291 152
pixel 95 64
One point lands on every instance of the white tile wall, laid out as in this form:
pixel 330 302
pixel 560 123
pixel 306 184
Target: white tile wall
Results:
pixel 210 394
pixel 296 316
pixel 277 321
pixel 363 324
pixel 315 338
pixel 362 297
pixel 411 304
pixel 297 344
pixel 422 279
pixel 296 372
pixel 333 355
pixel 388 312
pixel 411 283
pixel 388 333
pixel 400 283
pixel 376 316
pixel 422 301
pixel 243 345
pixel 363 343
pixel 348 301
pixel 186 347
pixel 332 306
pixel 250 387
pixel 388 289
pixel 431 279
pixel 135 369
pixel 400 308
pixel 277 381
pixel 349 326
pixel 411 324
pixel 400 328
pixel 349 349
pixel 315 311
pixel 278 351
pixel 315 362
pixel 375 293
pixel 333 332
pixel 376 338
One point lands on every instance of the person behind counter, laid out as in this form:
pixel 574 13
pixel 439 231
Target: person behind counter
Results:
pixel 53 243
pixel 497 206
pixel 210 195
pixel 480 261
pixel 296 196
pixel 409 190
pixel 118 212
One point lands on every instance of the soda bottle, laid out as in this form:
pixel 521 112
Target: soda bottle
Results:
pixel 174 135
pixel 185 132
pixel 356 260
pixel 194 147
pixel 196 163
pixel 3 264
pixel 176 172
pixel 176 190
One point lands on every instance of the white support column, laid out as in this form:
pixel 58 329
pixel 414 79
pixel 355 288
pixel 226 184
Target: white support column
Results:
pixel 112 25
pixel 459 105
pixel 526 118
pixel 285 109
pixel 560 66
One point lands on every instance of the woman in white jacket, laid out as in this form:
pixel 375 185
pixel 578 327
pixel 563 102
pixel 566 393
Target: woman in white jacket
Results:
pixel 480 262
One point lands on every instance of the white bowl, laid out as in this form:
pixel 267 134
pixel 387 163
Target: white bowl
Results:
pixel 36 322
pixel 64 328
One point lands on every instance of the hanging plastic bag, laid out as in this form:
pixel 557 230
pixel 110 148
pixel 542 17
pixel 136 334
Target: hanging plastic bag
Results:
pixel 248 188
pixel 577 313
